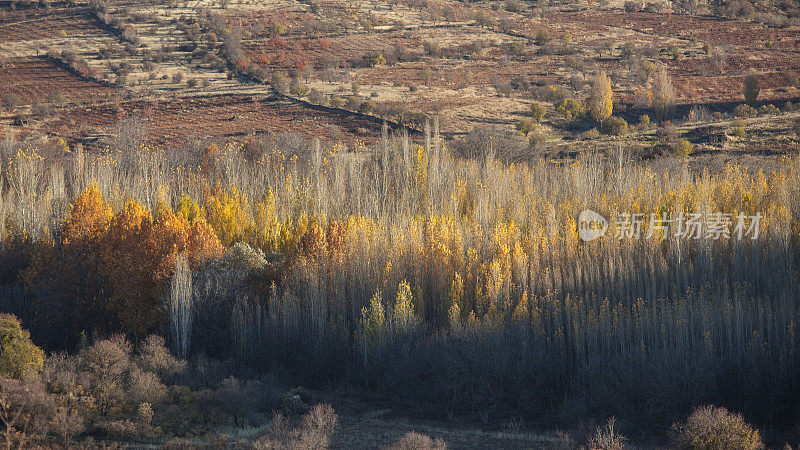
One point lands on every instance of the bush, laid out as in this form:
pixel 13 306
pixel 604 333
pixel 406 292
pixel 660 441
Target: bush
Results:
pixel 542 37
pixel 366 107
pixel 10 101
pixel 417 441
pixel 19 357
pixel 632 6
pixel 316 97
pixel 571 108
pixel 525 126
pixel 750 88
pixel 744 111
pixel 739 129
pixel 606 438
pixel 298 88
pixel 684 148
pixel 537 112
pixel 591 134
pixel 616 126
pixel 280 82
pixel 715 428
pixel 315 431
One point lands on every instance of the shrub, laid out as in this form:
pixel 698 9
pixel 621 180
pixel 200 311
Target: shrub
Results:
pixel 10 101
pixel 537 111
pixel 67 424
pixel 644 122
pixel 317 97
pixel 709 428
pixel 375 59
pixel 571 108
pixel 616 126
pixel 417 441
pixel 750 88
pixel 606 438
pixel 19 357
pixel 318 427
pixel 739 129
pixel 280 82
pixel 25 411
pixel 315 431
pixel 336 101
pixel 632 6
pixel 542 37
pixel 366 107
pixel 431 48
pixel 177 77
pixel 298 88
pixel 525 126
pixel 684 148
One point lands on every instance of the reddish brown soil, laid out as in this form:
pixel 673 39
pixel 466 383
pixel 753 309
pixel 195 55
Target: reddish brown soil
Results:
pixel 33 79
pixel 30 24
pixel 172 123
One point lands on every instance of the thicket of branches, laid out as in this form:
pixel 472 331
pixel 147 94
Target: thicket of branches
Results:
pixel 455 283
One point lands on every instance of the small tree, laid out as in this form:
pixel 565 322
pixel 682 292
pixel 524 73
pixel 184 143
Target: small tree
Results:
pixel 601 103
pixel 537 111
pixel 525 126
pixel 180 306
pixel 684 148
pixel 542 36
pixel 10 101
pixel 663 95
pixel 607 438
pixel 19 357
pixel 710 427
pixel 750 88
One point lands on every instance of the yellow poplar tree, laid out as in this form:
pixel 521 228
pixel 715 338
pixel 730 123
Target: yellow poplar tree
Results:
pixel 601 103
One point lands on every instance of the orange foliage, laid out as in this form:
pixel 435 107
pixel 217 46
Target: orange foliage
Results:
pixel 88 219
pixel 118 266
pixel 139 258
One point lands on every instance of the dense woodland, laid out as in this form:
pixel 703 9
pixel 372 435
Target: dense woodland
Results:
pixel 459 285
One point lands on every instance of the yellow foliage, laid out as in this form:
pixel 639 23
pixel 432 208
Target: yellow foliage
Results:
pixel 227 213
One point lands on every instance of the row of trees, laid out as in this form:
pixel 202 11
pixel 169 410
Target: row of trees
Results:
pixel 459 282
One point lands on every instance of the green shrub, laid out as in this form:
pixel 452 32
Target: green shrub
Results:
pixel 19 357
pixel 616 126
pixel 684 148
pixel 715 428
pixel 571 108
pixel 739 129
pixel 525 126
pixel 537 111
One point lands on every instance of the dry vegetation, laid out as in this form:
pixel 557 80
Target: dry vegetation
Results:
pixel 206 204
pixel 459 286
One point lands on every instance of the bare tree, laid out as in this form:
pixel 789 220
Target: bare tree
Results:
pixel 663 95
pixel 180 307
